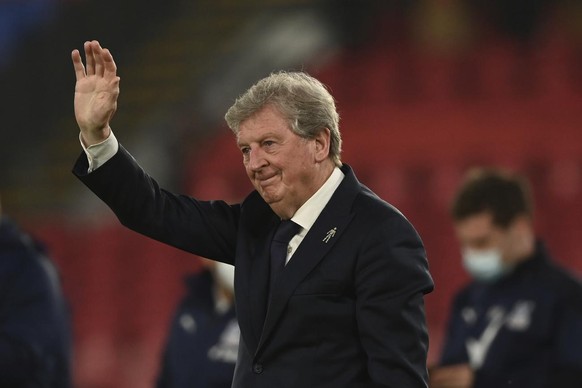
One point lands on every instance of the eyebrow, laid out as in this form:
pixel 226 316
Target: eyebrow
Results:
pixel 258 140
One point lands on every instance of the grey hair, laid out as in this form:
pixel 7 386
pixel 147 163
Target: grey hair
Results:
pixel 303 100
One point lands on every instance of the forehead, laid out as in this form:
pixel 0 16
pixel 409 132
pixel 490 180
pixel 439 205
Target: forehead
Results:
pixel 267 118
pixel 478 225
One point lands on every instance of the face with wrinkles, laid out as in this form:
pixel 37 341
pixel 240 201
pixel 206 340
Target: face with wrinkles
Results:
pixel 284 168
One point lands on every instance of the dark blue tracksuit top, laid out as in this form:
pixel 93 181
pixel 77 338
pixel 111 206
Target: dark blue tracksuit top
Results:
pixel 523 331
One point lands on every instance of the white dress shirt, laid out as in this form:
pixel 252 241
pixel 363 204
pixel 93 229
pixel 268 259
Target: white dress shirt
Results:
pixel 306 215
pixel 99 153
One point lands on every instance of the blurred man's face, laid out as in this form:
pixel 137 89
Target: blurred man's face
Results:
pixel 284 168
pixel 479 233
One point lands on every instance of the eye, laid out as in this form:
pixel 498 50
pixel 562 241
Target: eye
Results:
pixel 268 143
pixel 245 150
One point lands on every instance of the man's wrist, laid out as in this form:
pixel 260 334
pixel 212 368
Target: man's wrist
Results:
pixel 90 138
pixel 101 152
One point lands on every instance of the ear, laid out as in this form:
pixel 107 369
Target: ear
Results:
pixel 523 237
pixel 523 232
pixel 322 143
pixel 522 224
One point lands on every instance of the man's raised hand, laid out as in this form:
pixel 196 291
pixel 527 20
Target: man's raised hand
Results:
pixel 96 92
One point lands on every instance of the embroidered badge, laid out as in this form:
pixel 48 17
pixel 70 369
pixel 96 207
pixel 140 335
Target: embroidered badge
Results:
pixel 329 235
pixel 188 323
pixel 520 317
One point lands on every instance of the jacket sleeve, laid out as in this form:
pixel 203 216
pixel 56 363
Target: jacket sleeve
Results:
pixel 205 228
pixel 454 350
pixel 391 279
pixel 566 360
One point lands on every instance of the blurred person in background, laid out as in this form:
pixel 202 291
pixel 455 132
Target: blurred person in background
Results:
pixel 202 345
pixel 35 337
pixel 329 279
pixel 518 323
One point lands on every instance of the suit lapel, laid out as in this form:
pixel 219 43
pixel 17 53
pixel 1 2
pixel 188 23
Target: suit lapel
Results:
pixel 326 230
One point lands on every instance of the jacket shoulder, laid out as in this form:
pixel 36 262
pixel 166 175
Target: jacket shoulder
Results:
pixel 563 282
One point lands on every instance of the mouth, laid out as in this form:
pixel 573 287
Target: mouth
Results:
pixel 265 181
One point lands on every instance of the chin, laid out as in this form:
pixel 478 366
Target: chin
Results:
pixel 269 199
pixel 269 195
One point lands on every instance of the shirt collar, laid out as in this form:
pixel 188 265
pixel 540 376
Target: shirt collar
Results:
pixel 306 215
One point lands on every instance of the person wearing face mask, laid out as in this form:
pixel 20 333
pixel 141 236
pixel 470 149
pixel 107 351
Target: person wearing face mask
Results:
pixel 202 345
pixel 517 324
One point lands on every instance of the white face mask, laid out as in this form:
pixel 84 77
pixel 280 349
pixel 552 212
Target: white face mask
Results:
pixel 484 265
pixel 225 275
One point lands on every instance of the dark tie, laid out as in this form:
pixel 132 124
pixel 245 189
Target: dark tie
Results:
pixel 279 245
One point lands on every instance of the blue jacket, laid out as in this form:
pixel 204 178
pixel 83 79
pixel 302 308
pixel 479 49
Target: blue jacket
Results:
pixel 202 345
pixel 525 330
pixel 35 343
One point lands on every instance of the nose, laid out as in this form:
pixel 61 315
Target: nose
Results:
pixel 256 159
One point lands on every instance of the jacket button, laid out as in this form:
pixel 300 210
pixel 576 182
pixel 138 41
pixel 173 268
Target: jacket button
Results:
pixel 258 368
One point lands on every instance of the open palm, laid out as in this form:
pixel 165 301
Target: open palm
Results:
pixel 96 92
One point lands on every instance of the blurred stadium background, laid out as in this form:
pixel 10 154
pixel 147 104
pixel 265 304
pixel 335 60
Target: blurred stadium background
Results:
pixel 426 89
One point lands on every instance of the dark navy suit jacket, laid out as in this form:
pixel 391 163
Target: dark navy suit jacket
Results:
pixel 347 312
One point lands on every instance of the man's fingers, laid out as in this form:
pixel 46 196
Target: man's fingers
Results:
pixel 455 376
pixel 99 61
pixel 78 65
pixel 89 58
pixel 98 58
pixel 110 69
